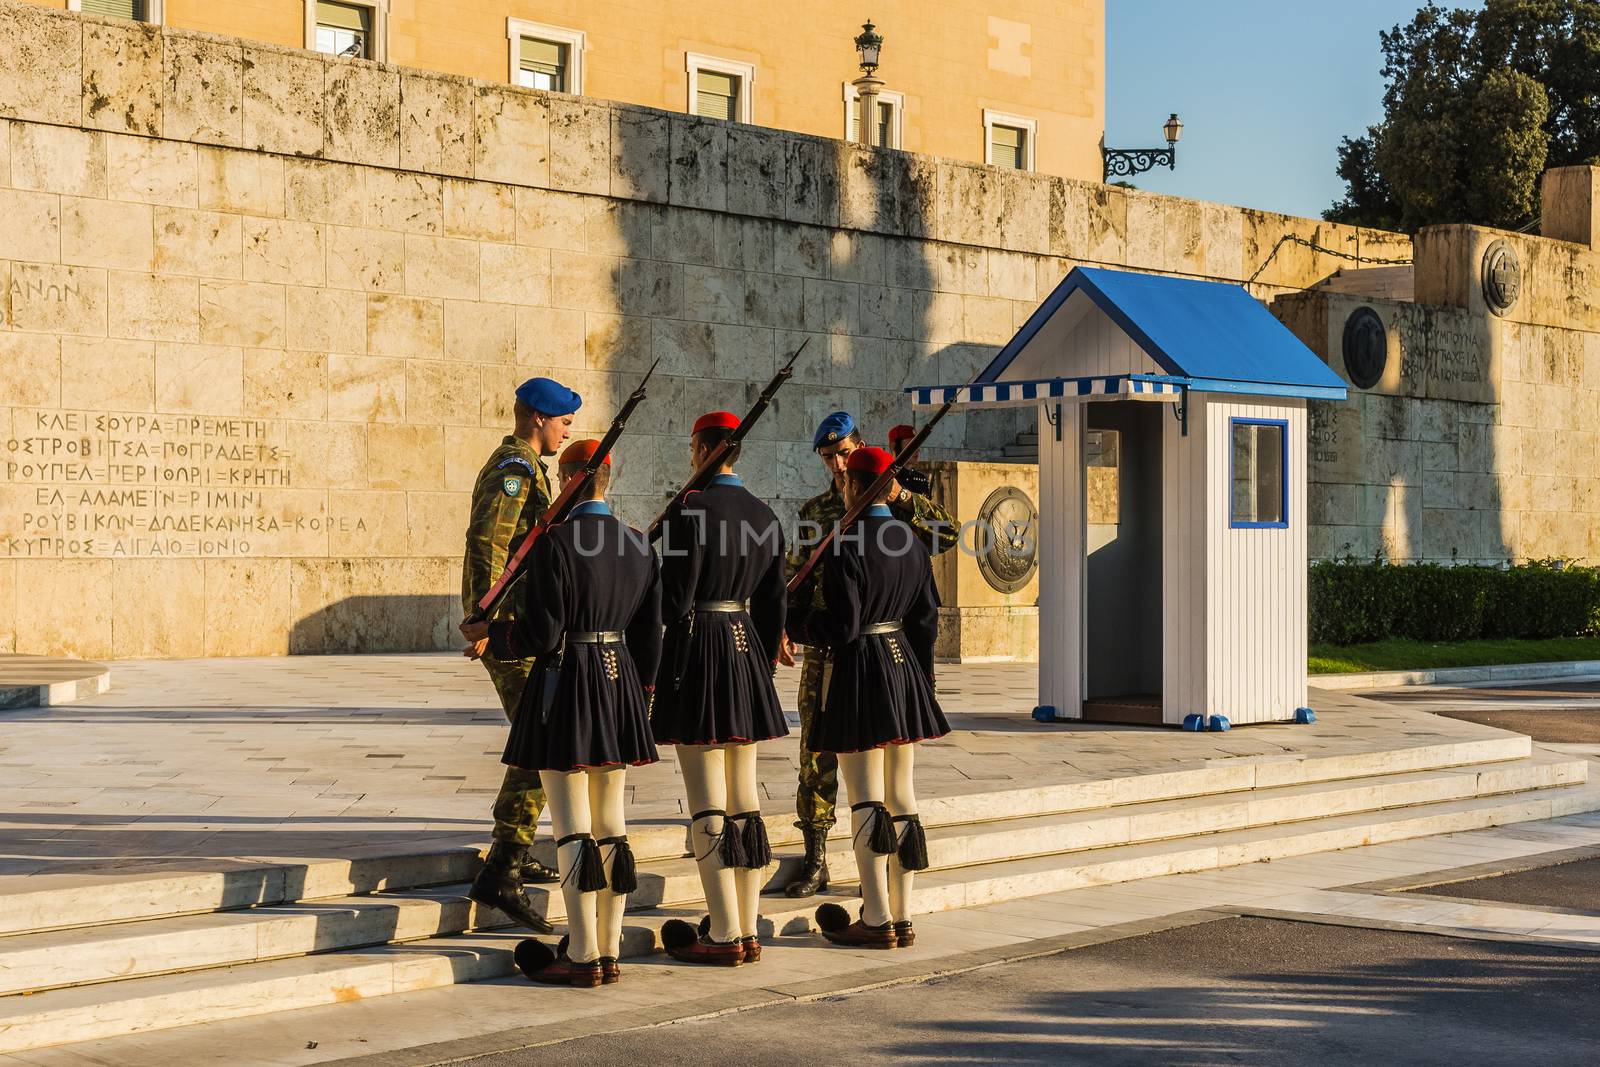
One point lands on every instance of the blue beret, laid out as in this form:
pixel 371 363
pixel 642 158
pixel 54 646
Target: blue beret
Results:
pixel 548 397
pixel 834 428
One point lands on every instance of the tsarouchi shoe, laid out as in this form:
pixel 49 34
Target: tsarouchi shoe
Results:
pixel 538 963
pixel 684 942
pixel 610 969
pixel 905 936
pixel 835 924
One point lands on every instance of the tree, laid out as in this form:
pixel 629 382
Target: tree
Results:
pixel 1476 106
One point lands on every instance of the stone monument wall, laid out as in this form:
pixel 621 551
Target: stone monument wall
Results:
pixel 262 312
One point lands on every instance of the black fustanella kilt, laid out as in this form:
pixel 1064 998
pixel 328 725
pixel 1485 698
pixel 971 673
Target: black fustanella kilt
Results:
pixel 724 693
pixel 877 695
pixel 591 719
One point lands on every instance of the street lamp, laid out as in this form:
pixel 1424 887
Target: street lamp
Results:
pixel 869 42
pixel 1124 162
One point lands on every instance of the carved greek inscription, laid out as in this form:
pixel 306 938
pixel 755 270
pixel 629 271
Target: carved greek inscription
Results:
pixel 1444 356
pixel 103 484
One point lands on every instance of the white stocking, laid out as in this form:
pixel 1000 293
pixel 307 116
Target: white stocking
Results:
pixel 863 781
pixel 567 793
pixel 901 799
pixel 744 795
pixel 705 781
pixel 607 789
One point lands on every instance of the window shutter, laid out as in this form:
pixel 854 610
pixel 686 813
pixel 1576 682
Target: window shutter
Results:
pixel 343 16
pixel 716 95
pixel 1006 143
pixel 123 9
pixel 547 58
pixel 885 123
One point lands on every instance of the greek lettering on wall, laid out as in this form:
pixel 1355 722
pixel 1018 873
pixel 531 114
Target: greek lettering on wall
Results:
pixel 114 485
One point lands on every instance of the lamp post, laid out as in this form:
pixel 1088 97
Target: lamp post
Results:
pixel 1124 162
pixel 868 44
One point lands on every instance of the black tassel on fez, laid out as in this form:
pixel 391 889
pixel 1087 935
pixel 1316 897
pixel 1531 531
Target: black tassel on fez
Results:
pixel 913 844
pixel 757 849
pixel 589 869
pixel 624 872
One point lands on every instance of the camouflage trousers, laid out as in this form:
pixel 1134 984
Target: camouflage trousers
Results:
pixel 520 800
pixel 818 791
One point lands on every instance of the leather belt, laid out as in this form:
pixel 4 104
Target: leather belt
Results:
pixel 892 626
pixel 724 607
pixel 594 637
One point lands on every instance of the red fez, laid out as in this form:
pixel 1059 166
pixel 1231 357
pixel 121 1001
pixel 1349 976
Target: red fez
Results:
pixel 716 420
pixel 579 452
pixel 871 459
pixel 902 432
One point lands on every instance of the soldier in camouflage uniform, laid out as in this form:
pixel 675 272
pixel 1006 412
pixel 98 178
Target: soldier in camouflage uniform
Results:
pixel 818 790
pixel 511 492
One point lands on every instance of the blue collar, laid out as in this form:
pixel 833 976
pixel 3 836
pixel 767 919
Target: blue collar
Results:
pixel 590 507
pixel 726 479
pixel 879 511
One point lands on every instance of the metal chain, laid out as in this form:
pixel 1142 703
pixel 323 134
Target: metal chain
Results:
pixel 1289 238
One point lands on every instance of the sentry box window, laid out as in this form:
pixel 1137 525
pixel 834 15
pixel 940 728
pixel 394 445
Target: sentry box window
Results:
pixel 1259 495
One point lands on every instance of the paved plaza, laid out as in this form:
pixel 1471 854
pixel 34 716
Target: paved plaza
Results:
pixel 185 761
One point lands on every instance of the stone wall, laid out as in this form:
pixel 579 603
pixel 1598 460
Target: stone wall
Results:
pixel 262 312
pixel 1479 442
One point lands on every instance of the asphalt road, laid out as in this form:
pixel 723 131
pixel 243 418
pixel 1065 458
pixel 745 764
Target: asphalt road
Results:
pixel 1562 712
pixel 1565 885
pixel 1234 991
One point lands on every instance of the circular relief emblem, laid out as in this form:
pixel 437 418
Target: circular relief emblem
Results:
pixel 1366 347
pixel 1502 277
pixel 1009 551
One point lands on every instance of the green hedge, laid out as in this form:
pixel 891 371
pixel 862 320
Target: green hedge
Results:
pixel 1356 602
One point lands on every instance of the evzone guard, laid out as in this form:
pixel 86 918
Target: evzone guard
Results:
pixel 590 612
pixel 878 615
pixel 724 602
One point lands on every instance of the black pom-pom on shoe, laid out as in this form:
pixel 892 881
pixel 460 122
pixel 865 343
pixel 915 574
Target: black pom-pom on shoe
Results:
pixel 832 917
pixel 675 933
pixel 532 956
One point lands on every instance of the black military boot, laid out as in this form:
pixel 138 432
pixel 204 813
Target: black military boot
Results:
pixel 536 873
pixel 813 876
pixel 499 886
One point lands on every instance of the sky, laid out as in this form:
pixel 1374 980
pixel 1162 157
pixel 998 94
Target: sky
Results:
pixel 1265 89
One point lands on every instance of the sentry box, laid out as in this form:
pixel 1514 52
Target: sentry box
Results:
pixel 1172 486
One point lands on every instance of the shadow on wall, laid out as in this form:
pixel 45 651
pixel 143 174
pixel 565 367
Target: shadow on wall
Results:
pixel 401 623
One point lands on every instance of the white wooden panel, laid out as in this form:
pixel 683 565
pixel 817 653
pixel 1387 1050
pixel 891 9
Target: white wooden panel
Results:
pixel 1079 340
pixel 1185 543
pixel 1061 554
pixel 1256 597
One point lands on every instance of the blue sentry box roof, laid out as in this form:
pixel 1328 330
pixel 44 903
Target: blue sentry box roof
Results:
pixel 1212 332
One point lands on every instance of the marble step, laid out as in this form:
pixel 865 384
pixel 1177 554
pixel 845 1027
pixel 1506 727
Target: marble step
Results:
pixel 45 902
pixel 82 955
pixel 142 1004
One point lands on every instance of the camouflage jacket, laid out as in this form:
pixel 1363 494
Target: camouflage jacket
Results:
pixel 511 492
pixel 822 512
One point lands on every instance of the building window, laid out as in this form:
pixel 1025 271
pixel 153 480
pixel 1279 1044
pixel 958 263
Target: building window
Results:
pixel 1259 474
pixel 349 29
pixel 891 106
pixel 1008 140
pixel 138 10
pixel 720 88
pixel 546 57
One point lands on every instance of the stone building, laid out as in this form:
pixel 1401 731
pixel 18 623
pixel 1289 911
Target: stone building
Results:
pixel 262 311
pixel 1022 80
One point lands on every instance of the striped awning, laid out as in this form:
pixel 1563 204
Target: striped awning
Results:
pixel 1040 390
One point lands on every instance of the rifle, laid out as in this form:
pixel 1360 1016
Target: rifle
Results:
pixel 862 503
pixel 563 503
pixel 704 472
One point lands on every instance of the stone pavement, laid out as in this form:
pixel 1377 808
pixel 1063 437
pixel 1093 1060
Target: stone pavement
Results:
pixel 186 761
pixel 445 1025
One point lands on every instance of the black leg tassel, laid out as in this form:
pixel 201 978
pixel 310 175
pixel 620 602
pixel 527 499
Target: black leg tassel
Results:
pixel 881 840
pixel 757 849
pixel 624 872
pixel 913 851
pixel 589 869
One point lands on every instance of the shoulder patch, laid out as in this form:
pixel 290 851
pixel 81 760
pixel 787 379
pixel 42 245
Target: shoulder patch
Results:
pixel 512 486
pixel 514 460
